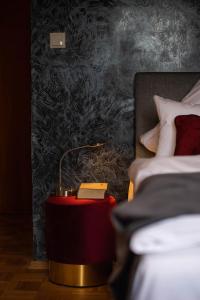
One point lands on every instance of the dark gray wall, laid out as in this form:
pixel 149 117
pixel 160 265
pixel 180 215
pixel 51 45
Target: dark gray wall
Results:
pixel 84 93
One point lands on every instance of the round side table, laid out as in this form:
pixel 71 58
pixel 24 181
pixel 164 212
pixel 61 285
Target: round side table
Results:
pixel 80 240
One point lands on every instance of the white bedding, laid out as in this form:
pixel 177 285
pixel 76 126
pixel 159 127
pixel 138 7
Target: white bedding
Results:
pixel 168 276
pixel 142 168
pixel 169 267
pixel 172 234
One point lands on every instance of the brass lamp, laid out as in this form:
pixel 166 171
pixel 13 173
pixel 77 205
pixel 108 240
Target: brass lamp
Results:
pixel 61 190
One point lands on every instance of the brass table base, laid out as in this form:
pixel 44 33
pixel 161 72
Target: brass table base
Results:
pixel 79 275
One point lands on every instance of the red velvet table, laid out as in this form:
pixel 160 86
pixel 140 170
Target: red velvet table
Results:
pixel 80 240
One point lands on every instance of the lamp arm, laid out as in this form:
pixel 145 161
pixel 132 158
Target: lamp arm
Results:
pixel 71 150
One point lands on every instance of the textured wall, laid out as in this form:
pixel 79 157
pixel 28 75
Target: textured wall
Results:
pixel 84 93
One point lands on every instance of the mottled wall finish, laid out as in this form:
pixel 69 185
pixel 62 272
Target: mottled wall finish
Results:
pixel 84 93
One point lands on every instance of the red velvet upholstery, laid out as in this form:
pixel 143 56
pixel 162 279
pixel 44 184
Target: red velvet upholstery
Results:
pixel 79 231
pixel 187 135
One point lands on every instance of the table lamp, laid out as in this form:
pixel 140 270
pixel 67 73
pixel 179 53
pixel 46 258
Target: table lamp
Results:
pixel 61 190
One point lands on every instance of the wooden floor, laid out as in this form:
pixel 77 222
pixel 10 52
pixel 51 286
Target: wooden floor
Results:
pixel 21 278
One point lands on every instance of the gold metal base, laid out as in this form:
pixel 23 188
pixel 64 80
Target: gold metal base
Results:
pixel 79 275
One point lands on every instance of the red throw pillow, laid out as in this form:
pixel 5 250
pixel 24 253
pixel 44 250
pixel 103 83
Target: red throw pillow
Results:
pixel 187 135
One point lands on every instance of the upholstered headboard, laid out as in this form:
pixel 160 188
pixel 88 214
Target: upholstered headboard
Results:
pixel 168 85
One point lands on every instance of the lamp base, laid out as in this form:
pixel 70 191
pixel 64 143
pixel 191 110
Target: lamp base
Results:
pixel 79 275
pixel 64 192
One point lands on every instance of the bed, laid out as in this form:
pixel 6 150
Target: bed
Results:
pixel 159 231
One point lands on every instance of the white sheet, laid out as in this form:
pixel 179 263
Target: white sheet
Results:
pixel 169 267
pixel 172 234
pixel 167 276
pixel 142 168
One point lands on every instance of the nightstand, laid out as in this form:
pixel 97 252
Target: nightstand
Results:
pixel 80 240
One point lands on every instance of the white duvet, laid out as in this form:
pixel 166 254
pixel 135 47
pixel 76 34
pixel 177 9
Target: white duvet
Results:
pixel 181 232
pixel 142 168
pixel 167 276
pixel 169 268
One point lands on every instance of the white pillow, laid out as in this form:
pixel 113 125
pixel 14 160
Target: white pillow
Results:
pixel 167 111
pixel 150 139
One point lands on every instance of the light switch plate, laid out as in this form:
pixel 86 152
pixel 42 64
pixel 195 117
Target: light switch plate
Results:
pixel 57 40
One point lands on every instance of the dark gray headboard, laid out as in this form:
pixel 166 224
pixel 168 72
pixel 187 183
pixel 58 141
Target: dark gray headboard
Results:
pixel 168 85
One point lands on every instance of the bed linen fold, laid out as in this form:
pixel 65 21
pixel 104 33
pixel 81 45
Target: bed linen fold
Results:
pixel 168 235
pixel 158 197
pixel 167 276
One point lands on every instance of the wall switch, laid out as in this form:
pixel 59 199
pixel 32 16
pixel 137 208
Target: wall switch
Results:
pixel 57 40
